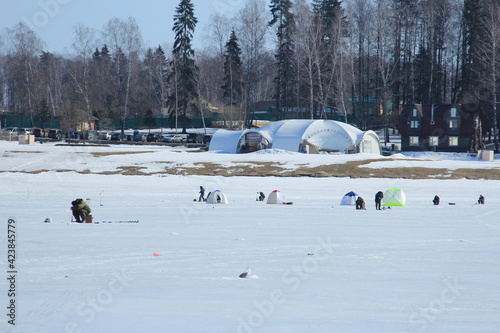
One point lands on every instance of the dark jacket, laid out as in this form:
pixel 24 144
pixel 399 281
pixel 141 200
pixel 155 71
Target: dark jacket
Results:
pixel 80 206
pixel 379 196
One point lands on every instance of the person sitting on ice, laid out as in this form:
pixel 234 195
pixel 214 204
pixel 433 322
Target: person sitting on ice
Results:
pixel 435 200
pixel 80 210
pixel 261 197
pixel 480 200
pixel 360 203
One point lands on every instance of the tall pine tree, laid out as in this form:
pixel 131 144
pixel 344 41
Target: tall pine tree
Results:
pixel 233 73
pixel 471 85
pixel 283 17
pixel 184 76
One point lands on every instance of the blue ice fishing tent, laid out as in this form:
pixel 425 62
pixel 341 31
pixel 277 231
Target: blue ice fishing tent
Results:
pixel 349 199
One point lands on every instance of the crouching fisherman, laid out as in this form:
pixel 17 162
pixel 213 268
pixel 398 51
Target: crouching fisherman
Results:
pixel 80 210
pixel 360 203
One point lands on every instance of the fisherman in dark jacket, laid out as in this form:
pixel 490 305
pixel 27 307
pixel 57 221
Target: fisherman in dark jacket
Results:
pixel 436 200
pixel 80 210
pixel 378 199
pixel 202 194
pixel 480 200
pixel 360 203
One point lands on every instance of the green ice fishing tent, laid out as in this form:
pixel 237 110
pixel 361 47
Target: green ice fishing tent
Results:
pixel 394 197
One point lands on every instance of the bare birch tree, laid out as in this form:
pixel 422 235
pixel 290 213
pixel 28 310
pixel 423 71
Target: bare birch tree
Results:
pixel 125 42
pixel 83 45
pixel 490 56
pixel 24 47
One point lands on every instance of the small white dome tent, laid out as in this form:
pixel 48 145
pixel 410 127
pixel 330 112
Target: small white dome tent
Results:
pixel 394 197
pixel 217 197
pixel 368 142
pixel 277 198
pixel 349 199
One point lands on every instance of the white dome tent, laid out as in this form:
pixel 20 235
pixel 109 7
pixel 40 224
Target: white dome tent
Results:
pixel 349 199
pixel 217 197
pixel 299 135
pixel 277 198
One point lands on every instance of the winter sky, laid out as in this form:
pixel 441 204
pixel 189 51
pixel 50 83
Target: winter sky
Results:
pixel 53 20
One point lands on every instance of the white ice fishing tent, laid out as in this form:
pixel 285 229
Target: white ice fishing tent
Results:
pixel 349 199
pixel 299 135
pixel 276 197
pixel 224 141
pixel 217 197
pixel 394 197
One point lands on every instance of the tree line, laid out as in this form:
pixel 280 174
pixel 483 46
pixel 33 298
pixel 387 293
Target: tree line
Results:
pixel 314 59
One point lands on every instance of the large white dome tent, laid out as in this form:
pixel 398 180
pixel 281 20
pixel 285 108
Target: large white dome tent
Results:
pixel 299 135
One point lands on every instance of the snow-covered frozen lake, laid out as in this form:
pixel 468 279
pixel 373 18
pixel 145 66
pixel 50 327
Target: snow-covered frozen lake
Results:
pixel 315 266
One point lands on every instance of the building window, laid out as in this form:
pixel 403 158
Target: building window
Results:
pixel 453 141
pixel 414 124
pixel 453 123
pixel 453 113
pixel 434 141
pixel 415 112
pixel 413 140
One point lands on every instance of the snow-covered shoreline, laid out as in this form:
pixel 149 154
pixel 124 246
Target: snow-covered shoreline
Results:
pixel 155 159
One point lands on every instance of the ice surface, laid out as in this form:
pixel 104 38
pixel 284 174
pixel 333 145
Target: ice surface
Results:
pixel 316 266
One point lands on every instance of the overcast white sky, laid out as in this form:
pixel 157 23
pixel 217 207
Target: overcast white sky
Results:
pixel 53 20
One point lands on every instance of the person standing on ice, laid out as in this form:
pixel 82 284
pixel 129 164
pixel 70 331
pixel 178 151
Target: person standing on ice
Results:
pixel 80 210
pixel 378 199
pixel 202 194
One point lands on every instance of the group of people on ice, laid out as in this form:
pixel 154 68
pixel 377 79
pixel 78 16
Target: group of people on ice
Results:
pixel 81 210
pixel 360 202
pixel 437 200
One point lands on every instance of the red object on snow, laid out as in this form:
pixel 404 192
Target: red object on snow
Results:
pixel 157 255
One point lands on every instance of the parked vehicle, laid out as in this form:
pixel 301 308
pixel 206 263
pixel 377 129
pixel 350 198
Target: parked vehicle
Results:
pixel 9 131
pixel 194 138
pixel 138 136
pixel 55 134
pixel 91 135
pixel 167 137
pixel 73 135
pixel 24 131
pixel 207 138
pixel 105 135
pixel 154 137
pixel 179 138
pixel 118 136
pixel 39 133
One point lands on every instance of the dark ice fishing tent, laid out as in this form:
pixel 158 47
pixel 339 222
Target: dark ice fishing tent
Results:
pixel 349 199
pixel 217 197
pixel 394 197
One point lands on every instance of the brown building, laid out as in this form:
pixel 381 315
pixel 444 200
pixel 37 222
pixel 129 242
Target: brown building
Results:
pixel 443 127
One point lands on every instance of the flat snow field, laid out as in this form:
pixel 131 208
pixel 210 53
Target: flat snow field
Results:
pixel 315 266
